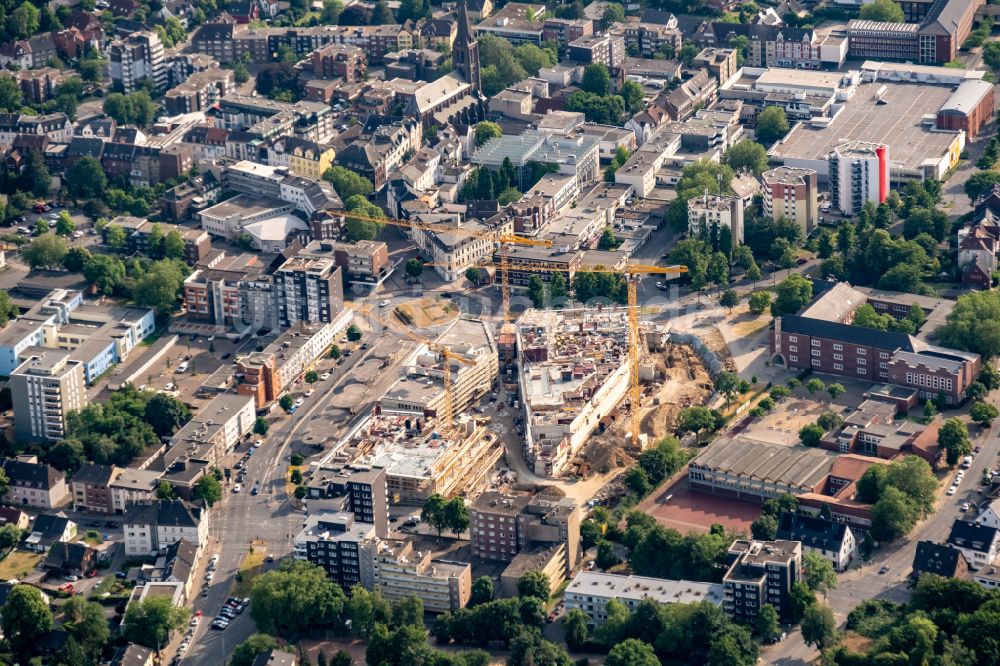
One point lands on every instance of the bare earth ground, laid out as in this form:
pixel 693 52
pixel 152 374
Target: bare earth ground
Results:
pixel 426 312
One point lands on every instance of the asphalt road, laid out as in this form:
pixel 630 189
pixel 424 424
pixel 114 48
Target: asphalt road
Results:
pixel 267 516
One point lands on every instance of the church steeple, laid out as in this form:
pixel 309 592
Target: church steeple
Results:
pixel 466 49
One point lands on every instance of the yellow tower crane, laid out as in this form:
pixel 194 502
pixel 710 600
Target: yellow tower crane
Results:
pixel 632 273
pixel 447 417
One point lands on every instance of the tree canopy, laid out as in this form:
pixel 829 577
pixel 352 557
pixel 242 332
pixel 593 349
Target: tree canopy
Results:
pixel 294 598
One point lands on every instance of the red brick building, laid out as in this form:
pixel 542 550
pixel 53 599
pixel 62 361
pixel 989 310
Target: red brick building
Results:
pixel 969 108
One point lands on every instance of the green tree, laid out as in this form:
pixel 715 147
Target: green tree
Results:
pixel 45 252
pixel 10 94
pixel 536 291
pixel 983 413
pixel 456 515
pixel 247 651
pixel 353 333
pixel 285 402
pixel 261 426
pixel 596 79
pixel 981 181
pixel 766 625
pixel 173 245
pixel 486 130
pixel 25 619
pixel 414 268
pixel 810 434
pixel 10 535
pixel 759 301
pixel 800 598
pixel 747 155
pixel 772 125
pixel 991 55
pixel 632 652
pixel 41 227
pixel 534 584
pixel 953 437
pixel 794 293
pixel 347 183
pixel 631 94
pixel 75 259
pixel 87 625
pixel 606 556
pixel 482 591
pixel 818 573
pixel 311 377
pixel 893 515
pixel 637 481
pixel 557 288
pixel 433 512
pixel 35 175
pixel 613 13
pixel 408 611
pixel 104 272
pixel 165 491
pixel 295 597
pixel 363 225
pixel 575 629
pixel 814 386
pixel 883 11
pixel 151 621
pixel 729 299
pixel 86 178
pixel 160 285
pixel 695 419
pixel 764 527
pixel 835 390
pixel 819 628
pixel 65 225
pixel 166 414
pixel 207 489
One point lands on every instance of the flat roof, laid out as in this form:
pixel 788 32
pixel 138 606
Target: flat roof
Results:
pixel 637 588
pixel 897 123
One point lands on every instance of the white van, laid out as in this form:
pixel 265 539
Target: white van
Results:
pixel 182 367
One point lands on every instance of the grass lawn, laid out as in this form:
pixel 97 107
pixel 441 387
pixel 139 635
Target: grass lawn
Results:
pixel 18 564
pixel 289 486
pixel 251 567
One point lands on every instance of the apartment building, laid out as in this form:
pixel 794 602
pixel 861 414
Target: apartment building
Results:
pixel 345 548
pixel 979 543
pixel 140 231
pixel 606 49
pixel 720 62
pixel 402 570
pixel 135 59
pixel 33 484
pixel 651 39
pixel 45 388
pixel 832 540
pixel 268 373
pixel 709 214
pixel 154 526
pixel 338 61
pixel 859 173
pixel 235 293
pixel 363 262
pixel 133 486
pixel 199 91
pixel 91 487
pixel 304 158
pixel 309 290
pixel 590 592
pixel 470 242
pixel 770 45
pixel 791 193
pixel 358 489
pixel 760 572
pixel 213 431
pixel 505 524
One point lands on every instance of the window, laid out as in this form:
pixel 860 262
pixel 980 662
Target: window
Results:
pixel 838 347
pixel 793 348
pixel 815 343
pixel 793 358
pixel 816 352
pixel 838 357
pixel 862 352
pixel 838 366
pixel 816 361
pixel 883 355
pixel 862 361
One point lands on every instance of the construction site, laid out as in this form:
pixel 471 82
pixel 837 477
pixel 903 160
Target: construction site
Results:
pixel 422 456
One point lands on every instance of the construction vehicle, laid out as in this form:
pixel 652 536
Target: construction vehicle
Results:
pixel 447 417
pixel 632 273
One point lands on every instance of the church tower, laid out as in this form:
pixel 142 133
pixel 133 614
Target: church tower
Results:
pixel 466 49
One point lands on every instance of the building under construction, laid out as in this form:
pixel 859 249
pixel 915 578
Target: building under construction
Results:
pixel 420 459
pixel 574 370
pixel 421 389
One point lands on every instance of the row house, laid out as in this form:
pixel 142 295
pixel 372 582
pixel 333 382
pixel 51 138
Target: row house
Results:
pixel 769 45
pixel 28 53
pixel 56 127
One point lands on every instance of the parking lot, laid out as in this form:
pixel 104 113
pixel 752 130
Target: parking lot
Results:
pixel 186 366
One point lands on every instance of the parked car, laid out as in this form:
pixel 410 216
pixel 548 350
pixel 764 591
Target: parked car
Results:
pixel 237 488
